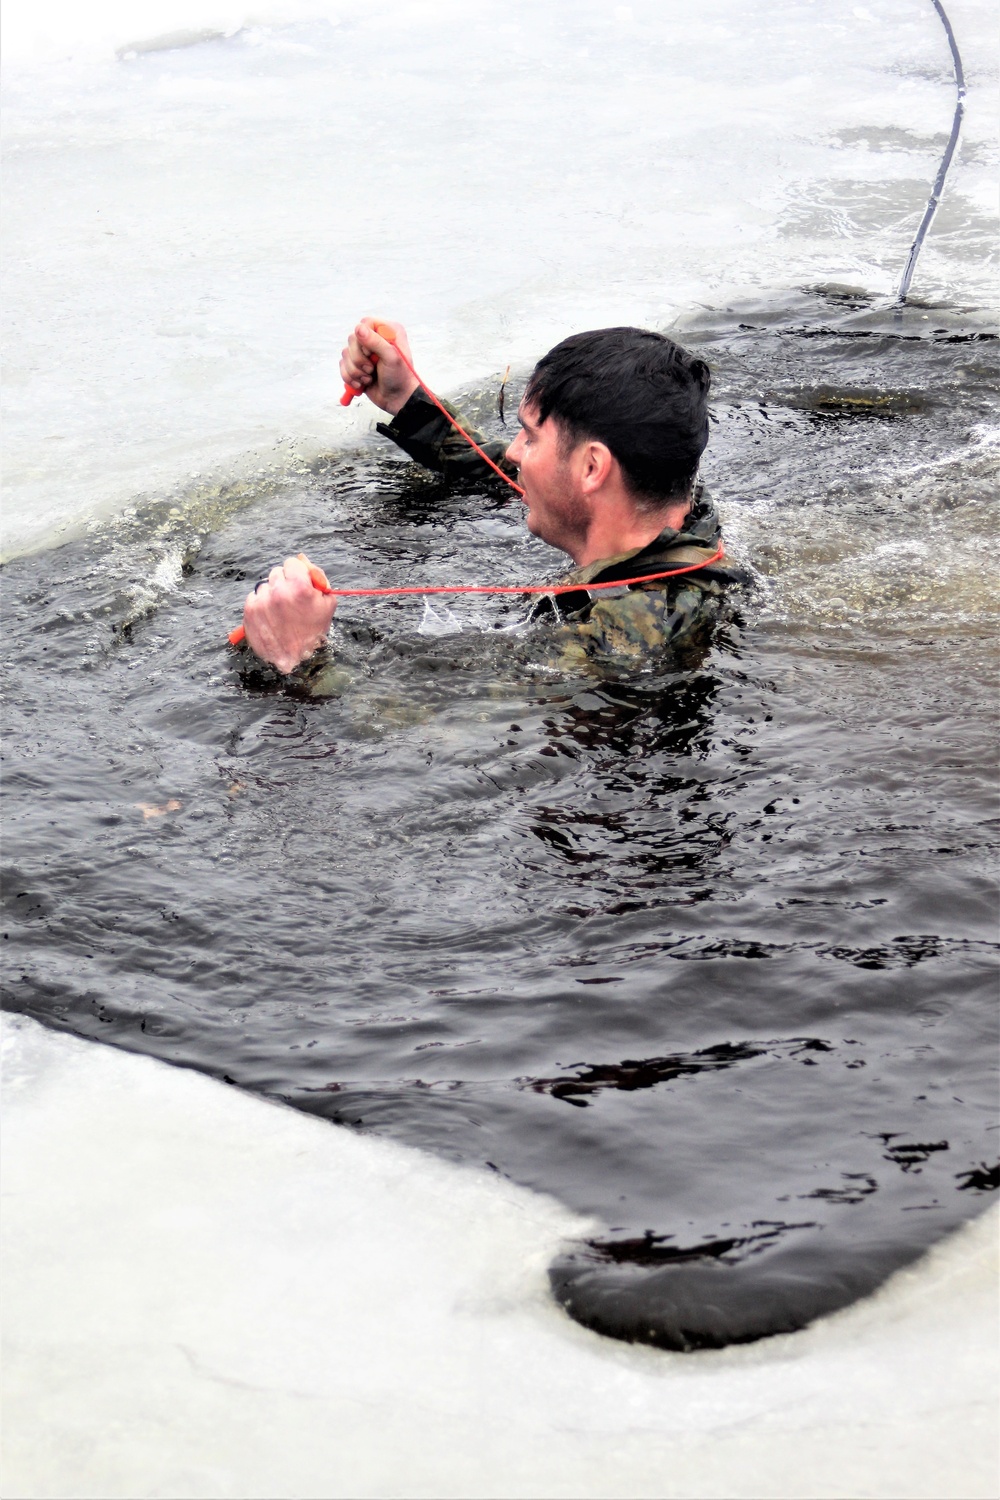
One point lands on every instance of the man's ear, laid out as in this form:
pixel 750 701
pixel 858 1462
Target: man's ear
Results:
pixel 597 463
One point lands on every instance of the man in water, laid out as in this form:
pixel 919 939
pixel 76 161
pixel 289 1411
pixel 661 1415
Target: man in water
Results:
pixel 613 424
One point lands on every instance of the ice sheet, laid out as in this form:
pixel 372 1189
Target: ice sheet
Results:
pixel 209 1295
pixel 199 201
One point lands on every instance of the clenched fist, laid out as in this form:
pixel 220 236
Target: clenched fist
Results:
pixel 372 364
pixel 287 618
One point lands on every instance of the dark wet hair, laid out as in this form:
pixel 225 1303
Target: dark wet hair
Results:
pixel 638 392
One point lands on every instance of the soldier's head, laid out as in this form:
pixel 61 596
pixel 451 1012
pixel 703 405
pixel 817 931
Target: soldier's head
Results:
pixel 626 395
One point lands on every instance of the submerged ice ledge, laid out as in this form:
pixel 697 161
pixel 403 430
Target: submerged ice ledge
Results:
pixel 209 1295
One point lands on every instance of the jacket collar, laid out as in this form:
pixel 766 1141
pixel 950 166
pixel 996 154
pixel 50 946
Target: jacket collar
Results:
pixel 699 536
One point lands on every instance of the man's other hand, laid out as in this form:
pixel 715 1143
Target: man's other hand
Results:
pixel 286 619
pixel 384 379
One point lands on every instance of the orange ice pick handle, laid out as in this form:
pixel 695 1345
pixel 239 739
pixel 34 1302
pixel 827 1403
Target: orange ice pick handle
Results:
pixel 350 391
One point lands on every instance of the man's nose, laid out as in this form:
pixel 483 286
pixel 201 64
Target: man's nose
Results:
pixel 513 454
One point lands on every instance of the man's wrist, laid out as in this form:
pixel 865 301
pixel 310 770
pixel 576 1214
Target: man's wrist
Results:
pixel 260 667
pixel 410 417
pixel 395 406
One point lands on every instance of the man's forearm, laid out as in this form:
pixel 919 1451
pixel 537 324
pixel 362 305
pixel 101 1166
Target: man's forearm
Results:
pixel 430 439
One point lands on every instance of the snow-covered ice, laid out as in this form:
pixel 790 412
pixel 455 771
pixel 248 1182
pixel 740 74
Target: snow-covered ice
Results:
pixel 210 1295
pixel 192 230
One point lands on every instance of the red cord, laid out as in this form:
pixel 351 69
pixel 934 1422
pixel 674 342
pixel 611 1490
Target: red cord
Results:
pixel 238 635
pixel 524 588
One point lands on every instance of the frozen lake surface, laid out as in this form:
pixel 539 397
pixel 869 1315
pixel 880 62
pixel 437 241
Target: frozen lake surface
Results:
pixel 190 232
pixel 215 1297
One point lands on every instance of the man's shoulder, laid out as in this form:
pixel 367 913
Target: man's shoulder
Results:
pixel 680 601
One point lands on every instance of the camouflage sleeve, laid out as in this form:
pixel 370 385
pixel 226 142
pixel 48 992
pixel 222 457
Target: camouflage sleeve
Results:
pixel 639 622
pixel 322 676
pixel 430 439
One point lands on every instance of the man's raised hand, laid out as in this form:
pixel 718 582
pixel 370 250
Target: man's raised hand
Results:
pixel 384 379
pixel 287 618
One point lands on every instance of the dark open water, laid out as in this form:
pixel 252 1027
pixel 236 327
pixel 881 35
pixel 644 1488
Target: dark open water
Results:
pixel 706 949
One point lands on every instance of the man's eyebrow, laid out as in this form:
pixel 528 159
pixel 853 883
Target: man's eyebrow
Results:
pixel 523 419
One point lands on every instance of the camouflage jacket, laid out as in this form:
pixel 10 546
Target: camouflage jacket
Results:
pixel 608 622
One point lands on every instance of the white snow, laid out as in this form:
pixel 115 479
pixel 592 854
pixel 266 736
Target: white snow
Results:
pixel 210 1295
pixel 200 201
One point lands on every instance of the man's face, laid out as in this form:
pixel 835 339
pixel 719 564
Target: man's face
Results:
pixel 555 509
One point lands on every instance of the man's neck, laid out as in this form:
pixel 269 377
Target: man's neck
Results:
pixel 617 530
